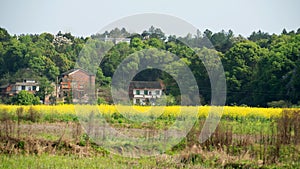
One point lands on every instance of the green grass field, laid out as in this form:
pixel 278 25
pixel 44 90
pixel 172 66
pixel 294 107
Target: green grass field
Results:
pixel 30 138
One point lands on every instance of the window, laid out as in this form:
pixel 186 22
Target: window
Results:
pixel 29 88
pixel 145 92
pixel 34 88
pixel 137 92
pixel 65 86
pixel 22 87
pixel 157 92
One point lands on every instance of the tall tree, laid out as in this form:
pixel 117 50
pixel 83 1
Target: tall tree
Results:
pixel 239 63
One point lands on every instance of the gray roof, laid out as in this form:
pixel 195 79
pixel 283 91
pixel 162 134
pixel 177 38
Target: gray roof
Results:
pixel 27 84
pixel 76 69
pixel 4 86
pixel 145 85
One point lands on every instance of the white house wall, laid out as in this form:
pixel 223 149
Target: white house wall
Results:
pixel 18 88
pixel 27 88
pixel 153 92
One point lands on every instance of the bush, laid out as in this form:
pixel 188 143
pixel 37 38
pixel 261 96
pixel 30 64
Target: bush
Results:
pixel 279 103
pixel 25 98
pixel 33 115
pixel 166 100
pixel 101 101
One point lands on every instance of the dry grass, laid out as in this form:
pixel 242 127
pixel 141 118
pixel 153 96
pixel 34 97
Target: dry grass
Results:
pixel 24 134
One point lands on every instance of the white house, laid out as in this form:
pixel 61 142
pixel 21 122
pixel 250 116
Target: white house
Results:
pixel 14 88
pixel 116 40
pixel 28 85
pixel 145 92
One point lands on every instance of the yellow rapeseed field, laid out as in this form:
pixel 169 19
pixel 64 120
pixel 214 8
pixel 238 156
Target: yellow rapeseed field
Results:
pixel 230 111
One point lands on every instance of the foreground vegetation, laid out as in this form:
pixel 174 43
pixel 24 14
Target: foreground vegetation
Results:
pixel 52 137
pixel 115 162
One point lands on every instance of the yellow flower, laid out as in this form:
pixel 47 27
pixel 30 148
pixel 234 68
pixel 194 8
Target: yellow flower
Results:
pixel 203 111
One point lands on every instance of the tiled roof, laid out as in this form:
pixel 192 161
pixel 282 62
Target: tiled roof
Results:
pixel 27 84
pixel 145 85
pixel 4 86
pixel 74 70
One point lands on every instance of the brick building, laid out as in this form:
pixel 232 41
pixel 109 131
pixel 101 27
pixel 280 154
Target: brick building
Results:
pixel 76 85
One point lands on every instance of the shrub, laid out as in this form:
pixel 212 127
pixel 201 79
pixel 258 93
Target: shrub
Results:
pixel 33 115
pixel 279 103
pixel 101 101
pixel 25 98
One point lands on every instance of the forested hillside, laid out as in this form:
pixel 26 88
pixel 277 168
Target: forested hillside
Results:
pixel 259 69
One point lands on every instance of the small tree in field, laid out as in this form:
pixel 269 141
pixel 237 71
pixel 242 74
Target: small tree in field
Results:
pixel 25 98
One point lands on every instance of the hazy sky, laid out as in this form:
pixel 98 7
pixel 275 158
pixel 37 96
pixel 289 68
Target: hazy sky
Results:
pixel 86 17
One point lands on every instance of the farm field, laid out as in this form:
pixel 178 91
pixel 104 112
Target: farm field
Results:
pixel 52 137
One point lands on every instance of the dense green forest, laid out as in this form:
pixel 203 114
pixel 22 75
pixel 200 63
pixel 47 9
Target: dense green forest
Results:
pixel 259 69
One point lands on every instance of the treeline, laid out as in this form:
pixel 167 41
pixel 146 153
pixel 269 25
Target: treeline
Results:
pixel 260 70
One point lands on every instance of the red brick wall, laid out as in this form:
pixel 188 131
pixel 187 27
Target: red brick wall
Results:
pixel 81 78
pixel 85 84
pixel 80 83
